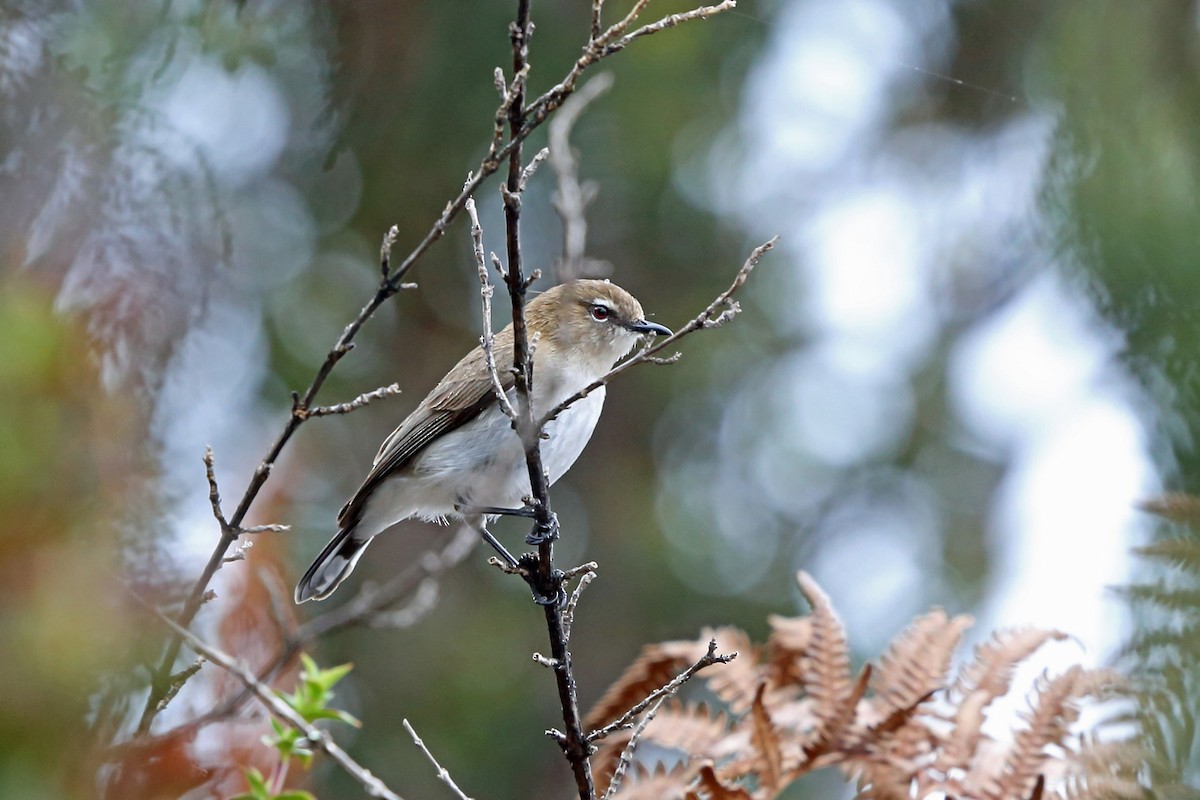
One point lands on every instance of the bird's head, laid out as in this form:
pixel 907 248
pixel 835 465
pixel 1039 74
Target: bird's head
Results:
pixel 593 321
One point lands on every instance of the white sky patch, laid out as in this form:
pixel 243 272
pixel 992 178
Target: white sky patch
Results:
pixel 1028 366
pixel 1038 380
pixel 822 82
pixel 1065 514
pixel 867 276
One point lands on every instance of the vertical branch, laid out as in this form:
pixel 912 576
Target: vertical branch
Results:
pixel 544 579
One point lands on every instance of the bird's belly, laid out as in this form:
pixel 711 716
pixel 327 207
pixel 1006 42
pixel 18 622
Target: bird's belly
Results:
pixel 480 464
pixel 483 463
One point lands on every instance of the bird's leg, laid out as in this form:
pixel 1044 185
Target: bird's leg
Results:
pixel 524 511
pixel 477 524
pixel 540 534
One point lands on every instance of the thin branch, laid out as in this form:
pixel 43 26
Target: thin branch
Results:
pixel 568 614
pixel 543 579
pixel 662 693
pixel 179 679
pixel 532 166
pixel 627 754
pixel 345 408
pixel 442 773
pixel 718 312
pixel 608 43
pixel 280 709
pixel 571 199
pixel 485 293
pixel 597 8
pixel 214 493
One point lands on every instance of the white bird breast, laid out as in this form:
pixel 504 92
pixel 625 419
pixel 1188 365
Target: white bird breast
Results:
pixel 482 464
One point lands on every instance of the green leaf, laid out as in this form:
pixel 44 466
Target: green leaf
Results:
pixel 295 794
pixel 333 713
pixel 257 783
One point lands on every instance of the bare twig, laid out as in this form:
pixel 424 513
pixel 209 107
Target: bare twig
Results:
pixel 609 42
pixel 485 293
pixel 442 773
pixel 571 198
pixel 179 679
pixel 568 614
pixel 627 754
pixel 531 168
pixel 345 408
pixel 280 709
pixel 662 693
pixel 597 8
pixel 214 493
pixel 718 312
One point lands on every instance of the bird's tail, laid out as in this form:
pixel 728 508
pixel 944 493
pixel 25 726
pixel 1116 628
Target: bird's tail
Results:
pixel 331 567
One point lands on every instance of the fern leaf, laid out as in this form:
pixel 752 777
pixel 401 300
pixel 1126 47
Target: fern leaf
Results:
pixel 689 728
pixel 991 670
pixel 1174 506
pixel 716 789
pixel 1049 723
pixel 788 647
pixel 828 680
pixel 765 739
pixel 917 662
pixel 659 784
pixel 1156 594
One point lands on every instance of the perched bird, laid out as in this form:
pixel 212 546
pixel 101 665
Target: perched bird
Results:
pixel 457 456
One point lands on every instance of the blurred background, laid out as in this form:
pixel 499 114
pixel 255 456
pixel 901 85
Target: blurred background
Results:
pixel 971 355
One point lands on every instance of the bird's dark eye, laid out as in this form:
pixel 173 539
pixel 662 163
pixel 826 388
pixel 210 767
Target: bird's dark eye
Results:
pixel 599 312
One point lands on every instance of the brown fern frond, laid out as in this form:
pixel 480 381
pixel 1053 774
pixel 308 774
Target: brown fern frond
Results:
pixel 917 662
pixel 716 789
pixel 987 677
pixel 827 680
pixel 765 739
pixel 991 670
pixel 787 649
pixel 657 784
pixel 1048 723
pixel 689 728
pixel 654 668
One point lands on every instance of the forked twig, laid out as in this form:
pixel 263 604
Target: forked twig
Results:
pixel 485 293
pixel 719 311
pixel 442 773
pixel 662 693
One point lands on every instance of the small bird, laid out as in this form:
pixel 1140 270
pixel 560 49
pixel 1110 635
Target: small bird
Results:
pixel 457 455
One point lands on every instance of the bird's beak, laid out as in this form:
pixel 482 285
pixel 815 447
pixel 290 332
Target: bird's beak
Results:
pixel 642 326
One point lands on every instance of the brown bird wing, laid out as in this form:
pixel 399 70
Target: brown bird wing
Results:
pixel 460 397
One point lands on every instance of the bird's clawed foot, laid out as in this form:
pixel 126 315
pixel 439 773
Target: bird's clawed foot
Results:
pixel 543 532
pixel 547 591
